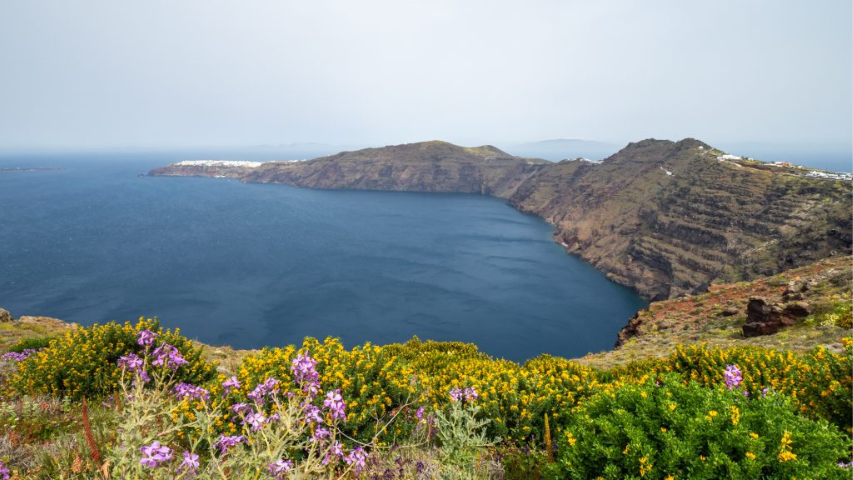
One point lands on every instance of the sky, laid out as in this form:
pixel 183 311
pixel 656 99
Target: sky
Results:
pixel 180 73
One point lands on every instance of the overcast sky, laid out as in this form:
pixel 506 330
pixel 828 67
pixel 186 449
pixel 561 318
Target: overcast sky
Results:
pixel 103 74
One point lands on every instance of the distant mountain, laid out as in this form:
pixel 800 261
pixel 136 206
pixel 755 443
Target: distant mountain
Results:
pixel 565 148
pixel 666 218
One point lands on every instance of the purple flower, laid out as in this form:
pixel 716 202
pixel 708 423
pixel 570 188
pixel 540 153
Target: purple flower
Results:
pixel 733 376
pixel 263 389
pixel 305 374
pixel 241 408
pixel 356 457
pixel 168 356
pixel 420 415
pixel 155 454
pixel 745 393
pixel 312 413
pixel 132 362
pixel 4 472
pixel 280 467
pixel 143 376
pixel 190 462
pixel 471 394
pixel 231 384
pixel 335 403
pixel 840 464
pixel 320 434
pixel 764 392
pixel 146 337
pixel 224 443
pixel 336 452
pixel 19 357
pixel 188 391
pixel 256 420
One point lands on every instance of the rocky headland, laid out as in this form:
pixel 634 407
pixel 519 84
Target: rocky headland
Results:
pixel 666 218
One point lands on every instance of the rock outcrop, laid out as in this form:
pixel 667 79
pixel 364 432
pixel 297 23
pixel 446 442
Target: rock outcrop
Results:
pixel 765 318
pixel 5 316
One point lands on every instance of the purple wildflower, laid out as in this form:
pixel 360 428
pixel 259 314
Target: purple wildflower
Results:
pixel 733 376
pixel 336 452
pixel 155 454
pixel 146 337
pixel 471 394
pixel 840 464
pixel 241 408
pixel 456 394
pixel 745 393
pixel 335 403
pixel 357 457
pixel 231 384
pixel 320 435
pixel 143 376
pixel 132 362
pixel 304 369
pixel 168 356
pixel 19 356
pixel 190 462
pixel 764 392
pixel 312 413
pixel 263 389
pixel 256 420
pixel 224 442
pixel 280 467
pixel 188 391
pixel 4 472
pixel 420 415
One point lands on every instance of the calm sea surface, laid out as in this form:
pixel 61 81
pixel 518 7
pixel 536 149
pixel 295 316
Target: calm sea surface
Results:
pixel 266 265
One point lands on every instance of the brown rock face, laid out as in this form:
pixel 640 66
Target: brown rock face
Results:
pixel 763 318
pixel 630 330
pixel 5 316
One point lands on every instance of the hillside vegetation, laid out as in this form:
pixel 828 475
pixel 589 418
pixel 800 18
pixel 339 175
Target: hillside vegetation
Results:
pixel 666 218
pixel 417 410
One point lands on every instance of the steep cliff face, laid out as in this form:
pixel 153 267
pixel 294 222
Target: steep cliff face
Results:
pixel 669 218
pixel 417 167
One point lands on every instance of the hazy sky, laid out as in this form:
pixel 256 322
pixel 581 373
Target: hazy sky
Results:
pixel 151 73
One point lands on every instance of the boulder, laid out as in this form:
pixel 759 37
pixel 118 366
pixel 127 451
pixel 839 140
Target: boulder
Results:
pixel 764 318
pixel 729 311
pixel 5 316
pixel 797 310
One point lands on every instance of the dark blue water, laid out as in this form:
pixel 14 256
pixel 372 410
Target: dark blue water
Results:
pixel 256 265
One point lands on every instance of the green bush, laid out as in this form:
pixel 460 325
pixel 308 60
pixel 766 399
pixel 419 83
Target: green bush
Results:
pixel 687 431
pixel 34 343
pixel 83 361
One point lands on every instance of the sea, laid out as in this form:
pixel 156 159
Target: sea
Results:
pixel 250 265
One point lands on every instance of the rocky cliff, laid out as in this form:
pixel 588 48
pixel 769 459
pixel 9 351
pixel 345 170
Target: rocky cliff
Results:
pixel 667 218
pixel 670 218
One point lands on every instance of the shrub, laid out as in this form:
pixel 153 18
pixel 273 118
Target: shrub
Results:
pixel 687 431
pixel 33 343
pixel 375 383
pixel 83 361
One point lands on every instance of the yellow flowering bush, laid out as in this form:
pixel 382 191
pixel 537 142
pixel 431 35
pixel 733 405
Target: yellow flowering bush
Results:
pixel 83 361
pixel 633 432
